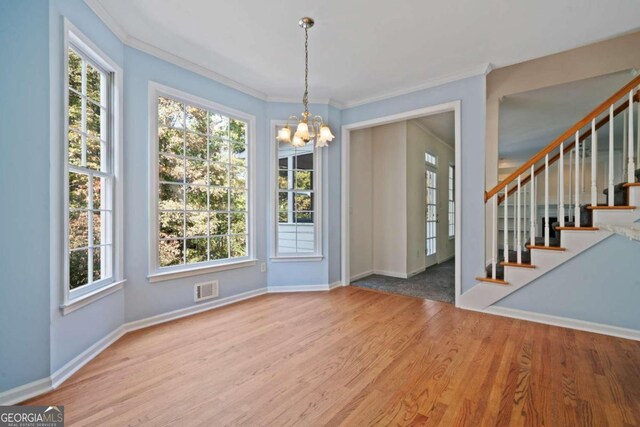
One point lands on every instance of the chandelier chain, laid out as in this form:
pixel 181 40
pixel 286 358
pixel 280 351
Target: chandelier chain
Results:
pixel 305 98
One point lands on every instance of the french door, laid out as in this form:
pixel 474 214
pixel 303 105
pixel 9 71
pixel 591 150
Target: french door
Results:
pixel 431 211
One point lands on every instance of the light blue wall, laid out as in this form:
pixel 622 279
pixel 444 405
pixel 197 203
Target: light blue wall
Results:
pixel 75 332
pixel 471 92
pixel 601 285
pixel 144 299
pixel 24 190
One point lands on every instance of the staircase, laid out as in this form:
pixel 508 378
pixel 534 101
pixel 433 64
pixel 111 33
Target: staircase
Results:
pixel 523 249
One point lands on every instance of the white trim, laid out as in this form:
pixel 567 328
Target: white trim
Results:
pixel 195 271
pixel 361 275
pixel 564 322
pixel 90 297
pixel 72 366
pixel 155 273
pixel 194 309
pixel 275 289
pixel 273 201
pixel 26 391
pixel 92 292
pixel 454 106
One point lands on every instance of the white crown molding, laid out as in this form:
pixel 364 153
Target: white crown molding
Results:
pixel 483 70
pixel 172 58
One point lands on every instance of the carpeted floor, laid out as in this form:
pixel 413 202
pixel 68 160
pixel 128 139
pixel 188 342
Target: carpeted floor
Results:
pixel 436 283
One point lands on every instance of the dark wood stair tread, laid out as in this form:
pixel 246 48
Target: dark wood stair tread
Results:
pixel 489 280
pixel 547 248
pixel 591 207
pixel 578 228
pixel 515 264
pixel 631 184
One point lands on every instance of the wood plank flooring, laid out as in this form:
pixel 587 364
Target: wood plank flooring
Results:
pixel 355 357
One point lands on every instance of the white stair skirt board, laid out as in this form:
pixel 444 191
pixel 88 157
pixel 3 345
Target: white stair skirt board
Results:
pixel 485 294
pixel 302 288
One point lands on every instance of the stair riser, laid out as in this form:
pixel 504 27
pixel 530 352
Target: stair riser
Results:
pixel 634 196
pixel 601 217
pixel 576 241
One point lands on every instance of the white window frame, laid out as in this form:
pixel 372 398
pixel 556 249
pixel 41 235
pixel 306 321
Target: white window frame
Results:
pixel 72 299
pixel 315 256
pixel 451 201
pixel 157 273
pixel 431 167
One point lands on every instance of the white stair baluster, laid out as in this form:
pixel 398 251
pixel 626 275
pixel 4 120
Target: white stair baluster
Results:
pixel 546 200
pixel 631 167
pixel 610 187
pixel 576 208
pixel 532 232
pixel 594 163
pixel 625 136
pixel 505 237
pixel 561 186
pixel 638 135
pixel 584 170
pixel 519 219
pixel 494 246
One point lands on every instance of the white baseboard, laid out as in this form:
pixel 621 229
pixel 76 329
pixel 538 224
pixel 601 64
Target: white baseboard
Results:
pixel 188 311
pixel 26 391
pixel 391 274
pixel 564 322
pixel 361 275
pixel 302 288
pixel 418 271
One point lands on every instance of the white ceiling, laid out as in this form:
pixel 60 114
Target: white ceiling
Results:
pixel 441 125
pixel 360 49
pixel 529 121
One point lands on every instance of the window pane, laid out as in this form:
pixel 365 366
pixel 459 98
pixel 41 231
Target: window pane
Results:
pixel 196 250
pixel 196 145
pixel 219 223
pixel 78 229
pixel 305 242
pixel 304 161
pixel 197 198
pixel 283 180
pixel 171 197
pixel 238 245
pixel 238 153
pixel 75 148
pixel 237 131
pixel 78 268
pixel 94 150
pixel 171 169
pixel 94 119
pixel 304 217
pixel 75 71
pixel 78 191
pixel 283 201
pixel 219 247
pixel 94 80
pixel 196 120
pixel 171 224
pixel 218 175
pixel 100 235
pixel 238 200
pixel 75 111
pixel 219 199
pixel 170 253
pixel 170 112
pixel 98 195
pixel 219 126
pixel 171 140
pixel 218 150
pixel 286 239
pixel 238 223
pixel 283 216
pixel 304 201
pixel 238 177
pixel 196 171
pixel 97 266
pixel 304 180
pixel 197 224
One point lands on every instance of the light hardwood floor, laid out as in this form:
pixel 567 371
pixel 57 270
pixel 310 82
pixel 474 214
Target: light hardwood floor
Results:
pixel 355 357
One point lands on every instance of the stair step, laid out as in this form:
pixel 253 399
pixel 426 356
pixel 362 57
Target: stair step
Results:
pixel 591 207
pixel 496 281
pixel 547 248
pixel 632 184
pixel 578 228
pixel 515 264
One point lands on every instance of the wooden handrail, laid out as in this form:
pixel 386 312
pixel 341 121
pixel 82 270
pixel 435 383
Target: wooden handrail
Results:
pixel 566 135
pixel 568 148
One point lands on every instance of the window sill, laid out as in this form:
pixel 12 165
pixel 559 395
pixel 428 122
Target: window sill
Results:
pixel 177 274
pixel 90 297
pixel 297 258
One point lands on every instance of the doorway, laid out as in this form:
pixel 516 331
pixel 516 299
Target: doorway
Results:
pixel 399 229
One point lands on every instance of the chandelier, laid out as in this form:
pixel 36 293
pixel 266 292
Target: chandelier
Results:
pixel 309 127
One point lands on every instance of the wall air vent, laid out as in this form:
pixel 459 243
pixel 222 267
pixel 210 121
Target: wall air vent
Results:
pixel 205 290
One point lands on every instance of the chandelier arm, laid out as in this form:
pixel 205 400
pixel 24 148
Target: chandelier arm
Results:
pixel 305 98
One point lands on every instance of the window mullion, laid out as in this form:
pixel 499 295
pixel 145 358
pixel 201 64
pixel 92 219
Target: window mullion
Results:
pixel 90 231
pixel 185 186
